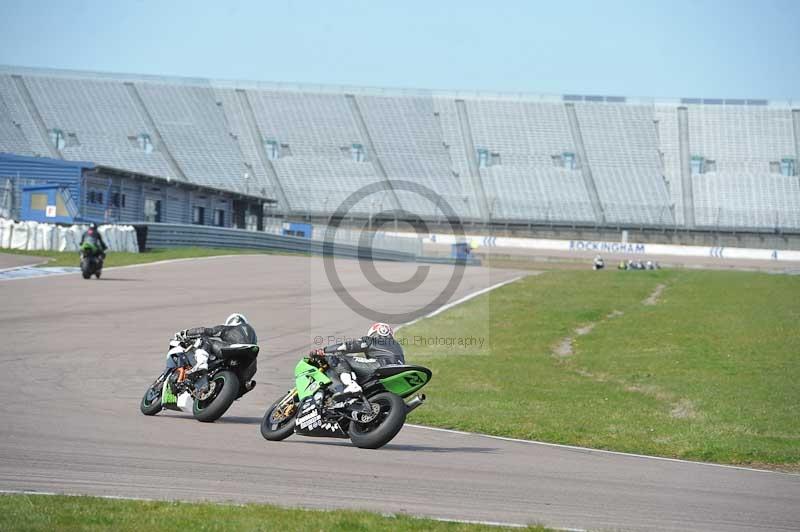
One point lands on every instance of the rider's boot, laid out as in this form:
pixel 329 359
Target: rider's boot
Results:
pixel 348 389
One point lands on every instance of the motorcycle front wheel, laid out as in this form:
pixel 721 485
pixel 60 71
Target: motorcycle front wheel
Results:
pixel 278 422
pixel 151 402
pixel 226 390
pixel 389 419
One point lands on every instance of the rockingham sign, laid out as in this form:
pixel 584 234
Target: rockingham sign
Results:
pixel 628 248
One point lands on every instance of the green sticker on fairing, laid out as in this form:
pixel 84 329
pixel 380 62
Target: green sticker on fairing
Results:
pixel 406 383
pixel 167 397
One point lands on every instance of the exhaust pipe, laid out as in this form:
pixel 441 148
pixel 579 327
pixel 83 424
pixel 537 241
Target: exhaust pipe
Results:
pixel 248 386
pixel 415 402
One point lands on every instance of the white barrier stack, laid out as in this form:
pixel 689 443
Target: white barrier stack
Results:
pixel 5 232
pixel 31 236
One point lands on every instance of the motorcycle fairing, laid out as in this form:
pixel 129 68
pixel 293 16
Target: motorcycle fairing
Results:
pixel 310 422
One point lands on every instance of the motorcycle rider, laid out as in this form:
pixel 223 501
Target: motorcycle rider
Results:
pixel 380 349
pixel 209 340
pixel 92 236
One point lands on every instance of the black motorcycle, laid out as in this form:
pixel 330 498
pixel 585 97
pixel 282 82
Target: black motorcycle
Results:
pixel 206 394
pixel 91 261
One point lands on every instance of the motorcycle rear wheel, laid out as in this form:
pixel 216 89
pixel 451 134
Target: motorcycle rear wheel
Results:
pixel 225 394
pixel 377 433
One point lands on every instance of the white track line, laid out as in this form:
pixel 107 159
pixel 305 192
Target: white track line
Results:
pixel 464 299
pixel 604 451
pixel 35 264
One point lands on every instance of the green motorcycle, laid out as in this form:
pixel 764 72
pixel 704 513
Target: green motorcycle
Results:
pixel 369 421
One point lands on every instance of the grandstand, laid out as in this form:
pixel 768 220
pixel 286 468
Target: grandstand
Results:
pixel 524 160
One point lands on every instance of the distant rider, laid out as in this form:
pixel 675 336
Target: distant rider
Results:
pixel 92 236
pixel 598 263
pixel 209 340
pixel 380 349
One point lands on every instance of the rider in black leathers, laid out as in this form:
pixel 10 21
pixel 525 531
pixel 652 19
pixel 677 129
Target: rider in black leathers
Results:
pixel 209 340
pixel 380 349
pixel 93 236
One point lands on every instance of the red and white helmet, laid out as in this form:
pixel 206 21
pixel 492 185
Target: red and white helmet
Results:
pixel 380 329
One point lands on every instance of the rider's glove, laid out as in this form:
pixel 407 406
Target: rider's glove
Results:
pixel 316 355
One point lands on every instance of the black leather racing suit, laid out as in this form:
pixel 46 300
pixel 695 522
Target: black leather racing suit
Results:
pixel 378 351
pixel 213 338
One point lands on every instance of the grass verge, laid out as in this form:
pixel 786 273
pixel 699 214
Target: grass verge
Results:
pixel 70 258
pixel 67 513
pixel 705 370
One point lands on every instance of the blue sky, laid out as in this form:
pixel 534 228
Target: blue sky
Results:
pixel 707 48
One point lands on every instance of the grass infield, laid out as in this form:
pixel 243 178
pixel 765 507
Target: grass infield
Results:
pixel 64 513
pixel 697 365
pixel 71 258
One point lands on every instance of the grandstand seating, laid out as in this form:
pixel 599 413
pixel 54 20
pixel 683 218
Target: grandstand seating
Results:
pixel 99 121
pixel 622 151
pixel 316 145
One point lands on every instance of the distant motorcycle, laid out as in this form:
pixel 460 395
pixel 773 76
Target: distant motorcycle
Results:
pixel 91 260
pixel 370 421
pixel 207 395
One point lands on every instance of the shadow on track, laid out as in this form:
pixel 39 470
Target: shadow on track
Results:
pixel 239 420
pixel 405 447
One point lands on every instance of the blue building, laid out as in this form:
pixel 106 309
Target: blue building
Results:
pixel 59 191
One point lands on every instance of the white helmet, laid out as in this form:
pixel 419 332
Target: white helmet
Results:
pixel 380 329
pixel 236 319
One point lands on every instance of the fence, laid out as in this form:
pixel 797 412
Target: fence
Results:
pixel 159 236
pixel 379 240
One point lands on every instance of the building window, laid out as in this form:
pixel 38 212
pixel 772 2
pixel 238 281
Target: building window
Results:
pixel 94 197
pixel 38 202
pixel 697 165
pixel 198 215
pixel 145 144
pixel 495 159
pixel 709 166
pixel 483 157
pixel 788 167
pixel 152 210
pixel 219 218
pixel 357 153
pixel 118 199
pixel 569 160
pixel 273 149
pixel 57 138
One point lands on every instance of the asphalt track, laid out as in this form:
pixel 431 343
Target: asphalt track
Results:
pixel 77 356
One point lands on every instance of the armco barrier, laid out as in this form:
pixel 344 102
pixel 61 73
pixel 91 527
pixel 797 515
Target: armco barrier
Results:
pixel 159 236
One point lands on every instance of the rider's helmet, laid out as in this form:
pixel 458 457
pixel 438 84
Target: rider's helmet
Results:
pixel 379 329
pixel 236 319
pixel 93 228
